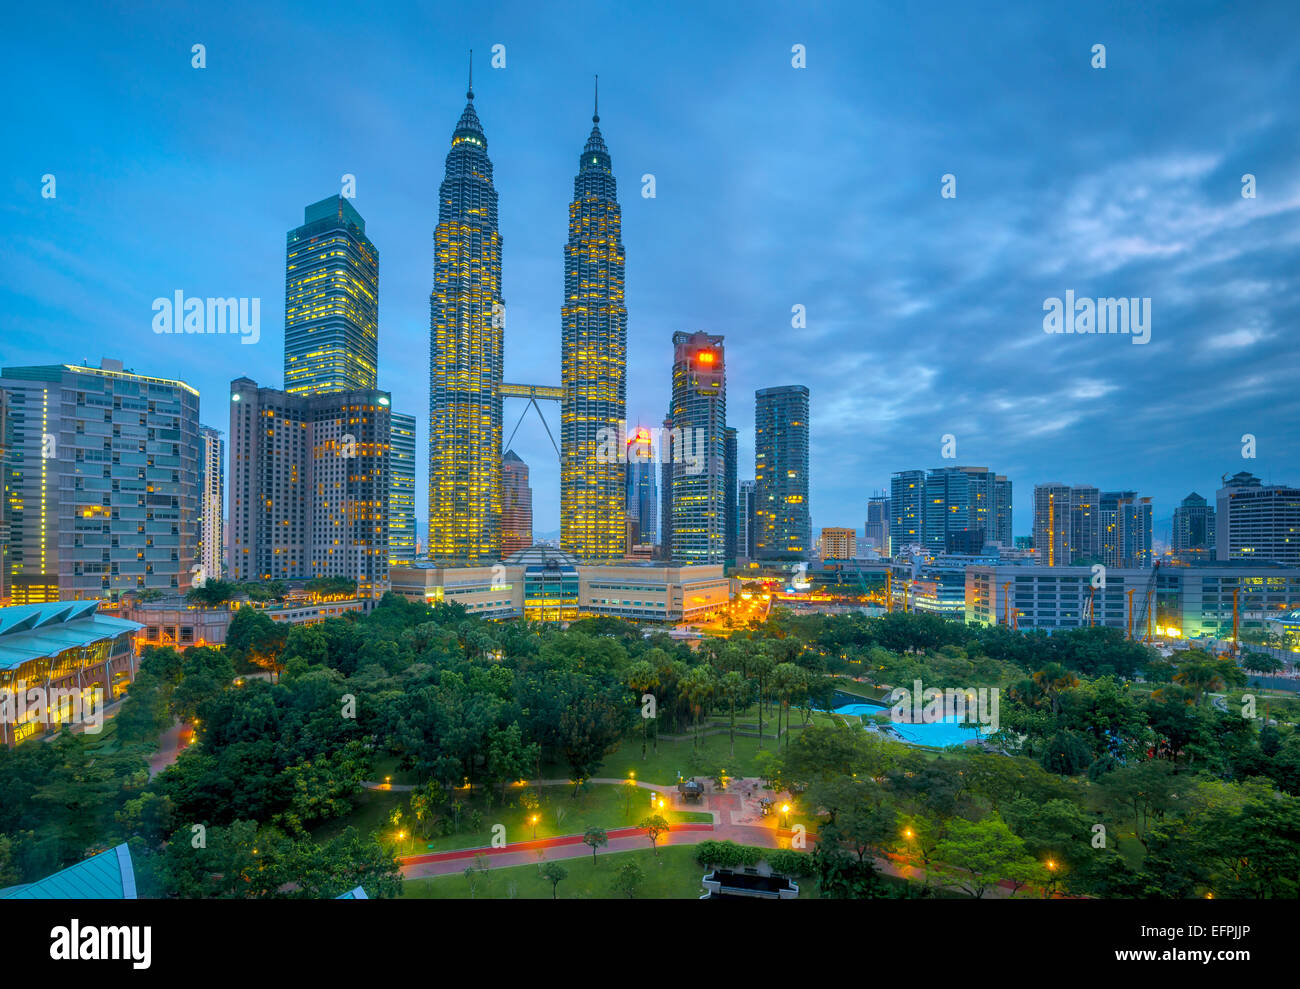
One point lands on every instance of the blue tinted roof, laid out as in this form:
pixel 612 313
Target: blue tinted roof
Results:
pixel 109 875
pixel 30 631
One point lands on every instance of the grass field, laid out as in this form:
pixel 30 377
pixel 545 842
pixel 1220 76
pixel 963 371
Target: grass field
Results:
pixel 559 813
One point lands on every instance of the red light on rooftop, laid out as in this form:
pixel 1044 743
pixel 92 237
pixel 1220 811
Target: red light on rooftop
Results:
pixel 706 357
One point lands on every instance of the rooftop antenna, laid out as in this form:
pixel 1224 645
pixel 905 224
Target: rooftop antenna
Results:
pixel 470 93
pixel 595 110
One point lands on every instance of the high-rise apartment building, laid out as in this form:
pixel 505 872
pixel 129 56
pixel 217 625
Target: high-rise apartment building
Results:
pixel 877 530
pixel 516 505
pixel 212 503
pixel 103 482
pixel 593 363
pixel 730 491
pixel 1085 525
pixel 310 482
pixel 401 490
pixel 1053 522
pixel 1257 521
pixel 781 433
pixel 746 518
pixel 466 336
pixel 1125 529
pixel 907 510
pixel 839 543
pixel 331 302
pixel 697 455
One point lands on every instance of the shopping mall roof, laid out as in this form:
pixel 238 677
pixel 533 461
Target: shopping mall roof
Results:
pixel 541 555
pixel 109 875
pixel 33 631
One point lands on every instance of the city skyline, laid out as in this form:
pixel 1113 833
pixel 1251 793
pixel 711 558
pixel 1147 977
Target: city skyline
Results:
pixel 1147 210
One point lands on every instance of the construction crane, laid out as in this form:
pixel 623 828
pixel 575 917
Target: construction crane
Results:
pixel 1236 621
pixel 1092 617
pixel 1148 613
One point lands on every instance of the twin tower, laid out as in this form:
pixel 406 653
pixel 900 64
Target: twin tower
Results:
pixel 466 358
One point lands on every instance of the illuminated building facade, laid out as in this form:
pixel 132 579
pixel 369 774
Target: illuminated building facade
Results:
pixel 781 473
pixel 907 510
pixel 516 505
pixel 212 489
pixel 331 302
pixel 466 336
pixel 730 492
pixel 594 363
pixel 1193 531
pixel 103 482
pixel 401 489
pixel 746 519
pixel 839 543
pixel 310 480
pixel 1256 521
pixel 696 456
pixel 877 530
pixel 642 488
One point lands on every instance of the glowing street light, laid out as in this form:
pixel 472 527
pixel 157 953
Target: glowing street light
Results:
pixel 535 819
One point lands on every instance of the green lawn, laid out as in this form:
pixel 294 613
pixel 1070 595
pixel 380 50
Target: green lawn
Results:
pixel 560 813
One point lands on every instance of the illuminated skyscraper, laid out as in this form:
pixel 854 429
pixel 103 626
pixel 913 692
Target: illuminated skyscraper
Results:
pixel 516 505
pixel 212 497
pixel 401 490
pixel 643 486
pixel 466 330
pixel 331 302
pixel 697 450
pixel 594 364
pixel 781 473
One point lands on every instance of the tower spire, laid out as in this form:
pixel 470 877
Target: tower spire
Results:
pixel 470 94
pixel 595 110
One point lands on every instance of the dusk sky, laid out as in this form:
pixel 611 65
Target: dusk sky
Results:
pixel 775 187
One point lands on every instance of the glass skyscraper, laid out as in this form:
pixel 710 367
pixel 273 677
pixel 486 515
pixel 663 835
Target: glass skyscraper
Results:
pixel 331 302
pixel 781 472
pixel 594 364
pixel 643 486
pixel 401 490
pixel 516 505
pixel 695 466
pixel 466 336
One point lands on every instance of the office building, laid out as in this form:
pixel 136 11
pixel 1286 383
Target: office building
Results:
pixel 1052 524
pixel 516 505
pixel 746 518
pixel 401 489
pixel 642 488
pixel 103 480
pixel 1193 528
pixel 730 492
pixel 331 302
pixel 593 498
pixel 466 337
pixel 1126 521
pixel 781 425
pixel 877 528
pixel 697 454
pixel 907 511
pixel 1257 521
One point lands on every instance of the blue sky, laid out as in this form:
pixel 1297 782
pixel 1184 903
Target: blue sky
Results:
pixel 776 187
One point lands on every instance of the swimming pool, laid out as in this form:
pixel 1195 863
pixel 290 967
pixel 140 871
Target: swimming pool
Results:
pixel 938 735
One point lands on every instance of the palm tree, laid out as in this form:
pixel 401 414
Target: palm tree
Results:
pixel 698 686
pixel 641 676
pixel 734 689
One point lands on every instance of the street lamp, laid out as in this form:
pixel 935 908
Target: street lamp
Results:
pixel 534 820
pixel 785 810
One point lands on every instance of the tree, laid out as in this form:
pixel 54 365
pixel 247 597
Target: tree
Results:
pixel 253 638
pixel 595 838
pixel 589 728
pixel 736 691
pixel 655 827
pixel 977 855
pixel 554 873
pixel 628 879
pixel 698 687
pixel 641 676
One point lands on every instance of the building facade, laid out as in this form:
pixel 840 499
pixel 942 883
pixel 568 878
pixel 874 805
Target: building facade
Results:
pixel 696 457
pixel 877 529
pixel 907 510
pixel 212 503
pixel 839 543
pixel 1257 521
pixel 781 433
pixel 1193 528
pixel 643 488
pixel 516 505
pixel 466 337
pixel 401 489
pixel 746 518
pixel 103 479
pixel 310 482
pixel 331 302
pixel 593 505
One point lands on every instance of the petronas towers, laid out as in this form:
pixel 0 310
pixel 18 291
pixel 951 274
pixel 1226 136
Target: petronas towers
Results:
pixel 466 337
